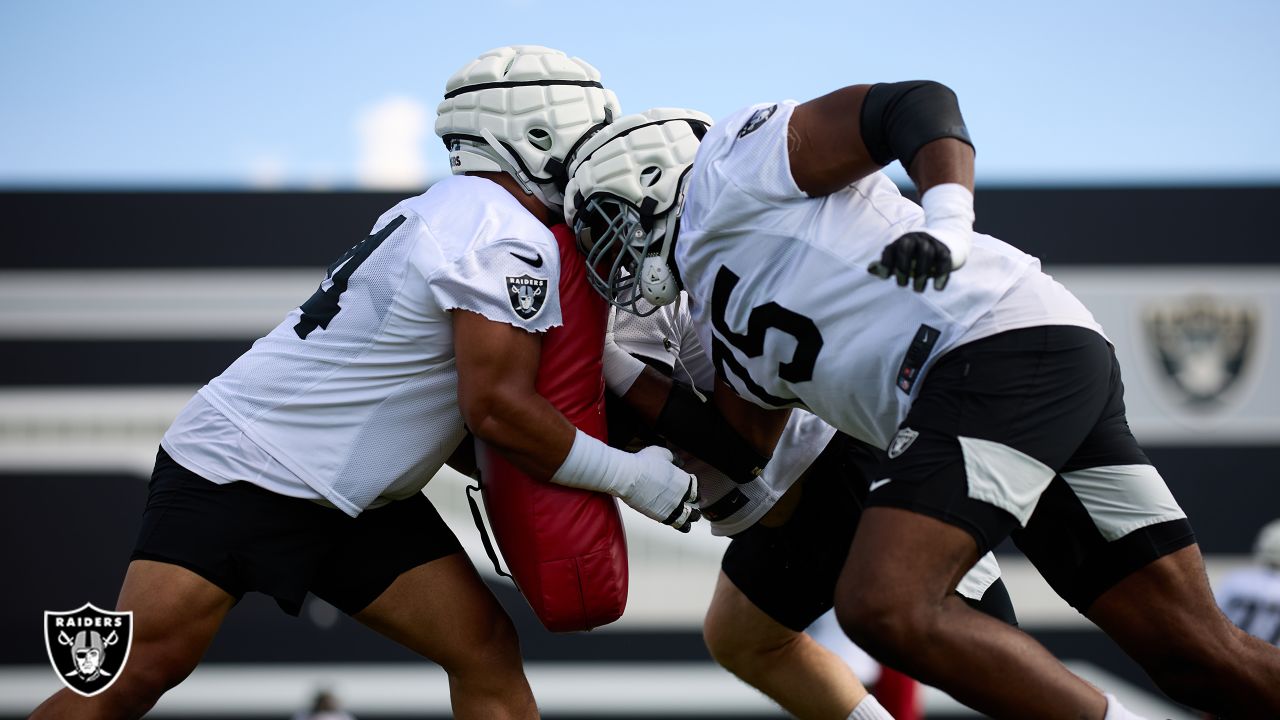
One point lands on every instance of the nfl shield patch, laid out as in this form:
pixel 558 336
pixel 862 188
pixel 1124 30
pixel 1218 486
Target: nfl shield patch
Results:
pixel 902 441
pixel 527 295
pixel 88 647
pixel 757 119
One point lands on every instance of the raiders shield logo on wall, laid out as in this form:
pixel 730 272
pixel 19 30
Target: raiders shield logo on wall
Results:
pixel 88 646
pixel 1204 345
pixel 527 295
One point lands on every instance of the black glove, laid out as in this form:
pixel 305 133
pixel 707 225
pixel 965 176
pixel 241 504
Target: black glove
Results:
pixel 916 256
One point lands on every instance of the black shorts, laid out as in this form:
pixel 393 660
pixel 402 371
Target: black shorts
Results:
pixel 241 537
pixel 790 571
pixel 1024 434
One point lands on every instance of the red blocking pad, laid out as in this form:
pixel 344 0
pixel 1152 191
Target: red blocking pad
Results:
pixel 565 547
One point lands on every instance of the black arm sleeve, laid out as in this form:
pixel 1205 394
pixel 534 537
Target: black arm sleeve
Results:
pixel 900 118
pixel 698 428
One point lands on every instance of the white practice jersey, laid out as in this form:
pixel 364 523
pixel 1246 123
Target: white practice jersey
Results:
pixel 353 398
pixel 667 336
pixel 781 294
pixel 1251 599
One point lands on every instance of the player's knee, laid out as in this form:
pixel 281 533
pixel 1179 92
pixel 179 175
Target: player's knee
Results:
pixel 150 672
pixel 491 650
pixel 881 622
pixel 746 654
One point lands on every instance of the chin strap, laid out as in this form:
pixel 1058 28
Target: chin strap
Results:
pixel 658 283
pixel 530 187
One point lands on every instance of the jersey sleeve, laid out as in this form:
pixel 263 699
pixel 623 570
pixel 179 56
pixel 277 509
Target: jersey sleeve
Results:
pixel 508 280
pixel 753 154
pixel 694 359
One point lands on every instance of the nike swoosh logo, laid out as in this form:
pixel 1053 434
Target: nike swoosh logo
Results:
pixel 536 261
pixel 879 483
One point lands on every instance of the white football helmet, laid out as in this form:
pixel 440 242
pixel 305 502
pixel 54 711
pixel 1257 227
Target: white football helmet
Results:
pixel 1267 549
pixel 623 201
pixel 521 110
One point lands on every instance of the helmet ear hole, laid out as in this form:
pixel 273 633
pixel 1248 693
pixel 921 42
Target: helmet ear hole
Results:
pixel 650 176
pixel 539 138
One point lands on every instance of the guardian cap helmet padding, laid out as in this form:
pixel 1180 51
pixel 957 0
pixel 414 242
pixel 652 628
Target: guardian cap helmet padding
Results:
pixel 521 110
pixel 624 198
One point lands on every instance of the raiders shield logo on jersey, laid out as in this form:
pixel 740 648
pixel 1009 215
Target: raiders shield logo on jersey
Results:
pixel 757 119
pixel 527 295
pixel 88 646
pixel 1204 345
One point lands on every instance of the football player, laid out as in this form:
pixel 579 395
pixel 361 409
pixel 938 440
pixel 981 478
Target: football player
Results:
pixel 1250 596
pixel 994 392
pixel 790 510
pixel 300 468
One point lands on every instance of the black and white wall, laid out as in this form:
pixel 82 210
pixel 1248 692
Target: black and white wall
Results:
pixel 115 307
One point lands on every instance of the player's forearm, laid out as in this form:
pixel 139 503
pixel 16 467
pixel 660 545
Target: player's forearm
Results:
pixel 940 162
pixel 757 426
pixel 648 395
pixel 525 428
pixel 694 425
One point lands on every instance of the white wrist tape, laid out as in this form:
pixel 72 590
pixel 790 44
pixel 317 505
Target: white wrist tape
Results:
pixel 948 217
pixel 646 480
pixel 620 368
pixel 592 465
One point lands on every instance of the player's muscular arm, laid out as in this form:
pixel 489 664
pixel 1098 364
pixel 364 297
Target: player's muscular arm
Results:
pixel 698 427
pixel 848 134
pixel 841 137
pixel 497 367
pixel 760 427
pixel 648 394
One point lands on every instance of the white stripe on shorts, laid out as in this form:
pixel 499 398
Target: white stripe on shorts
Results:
pixel 1123 498
pixel 980 577
pixel 999 475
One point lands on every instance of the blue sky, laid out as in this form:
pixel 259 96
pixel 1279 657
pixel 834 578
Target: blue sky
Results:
pixel 155 93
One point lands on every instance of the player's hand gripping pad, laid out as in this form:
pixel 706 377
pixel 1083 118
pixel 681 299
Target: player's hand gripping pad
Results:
pixel 565 547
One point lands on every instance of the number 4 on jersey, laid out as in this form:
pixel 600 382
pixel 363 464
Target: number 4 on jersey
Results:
pixel 320 309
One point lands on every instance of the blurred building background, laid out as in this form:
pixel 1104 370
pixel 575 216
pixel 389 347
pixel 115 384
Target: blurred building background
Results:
pixel 174 179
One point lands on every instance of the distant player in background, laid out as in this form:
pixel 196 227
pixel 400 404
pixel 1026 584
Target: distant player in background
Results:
pixel 791 512
pixel 300 468
pixel 995 394
pixel 324 706
pixel 1250 597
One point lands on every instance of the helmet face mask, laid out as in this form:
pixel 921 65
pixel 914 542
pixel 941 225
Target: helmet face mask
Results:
pixel 624 199
pixel 611 234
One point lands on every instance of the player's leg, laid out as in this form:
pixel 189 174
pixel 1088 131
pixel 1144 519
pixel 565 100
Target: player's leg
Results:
pixel 779 576
pixel 992 420
pixel 1119 548
pixel 176 587
pixel 401 572
pixel 444 612
pixel 793 669
pixel 175 616
pixel 1165 617
pixel 895 599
